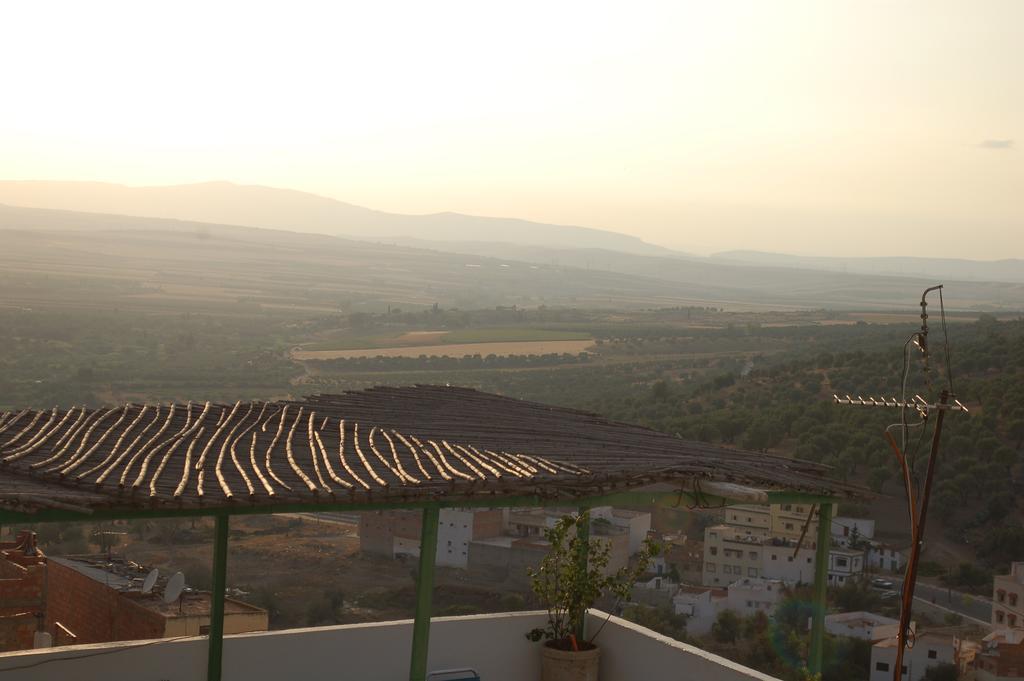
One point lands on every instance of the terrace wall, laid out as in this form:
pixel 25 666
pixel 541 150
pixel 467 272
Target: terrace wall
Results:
pixel 494 645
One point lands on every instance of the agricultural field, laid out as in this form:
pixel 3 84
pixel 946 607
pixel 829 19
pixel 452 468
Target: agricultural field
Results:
pixel 498 348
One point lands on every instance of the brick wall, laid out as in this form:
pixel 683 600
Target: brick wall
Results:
pixel 22 594
pixel 487 524
pixel 378 529
pixel 94 612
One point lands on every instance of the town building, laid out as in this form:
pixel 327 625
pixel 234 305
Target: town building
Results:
pixel 49 600
pixel 844 529
pixel 777 520
pixel 22 594
pixel 96 599
pixel 1008 599
pixel 866 626
pixel 397 532
pixel 745 597
pixel 701 606
pixel 929 650
pixel 730 553
pixel 882 556
pixel 1001 656
pixel 844 565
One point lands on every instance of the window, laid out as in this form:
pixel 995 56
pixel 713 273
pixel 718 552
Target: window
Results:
pixel 714 551
pixel 1011 620
pixel 882 666
pixel 737 569
pixel 753 555
pixel 789 526
pixel 789 558
pixel 713 535
pixel 710 567
pixel 841 562
pixel 751 572
pixel 1001 596
pixel 932 654
pixel 787 507
pixel 727 569
pixel 808 561
pixel 750 604
pixel 1000 616
pixel 1013 599
pixel 774 557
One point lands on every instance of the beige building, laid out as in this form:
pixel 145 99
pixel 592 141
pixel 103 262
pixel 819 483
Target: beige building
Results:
pixel 730 554
pixel 1008 599
pixel 776 520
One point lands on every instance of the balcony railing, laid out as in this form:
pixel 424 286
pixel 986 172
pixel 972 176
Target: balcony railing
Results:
pixel 494 645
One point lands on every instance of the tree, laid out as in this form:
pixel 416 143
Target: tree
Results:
pixel 726 628
pixel 1016 432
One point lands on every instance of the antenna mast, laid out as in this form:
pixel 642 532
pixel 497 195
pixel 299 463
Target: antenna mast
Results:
pixel 947 402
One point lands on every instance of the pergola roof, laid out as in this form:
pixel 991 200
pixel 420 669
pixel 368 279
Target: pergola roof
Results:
pixel 395 445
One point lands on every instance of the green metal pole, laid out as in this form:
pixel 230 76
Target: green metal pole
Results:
pixel 424 592
pixel 820 587
pixel 582 558
pixel 215 653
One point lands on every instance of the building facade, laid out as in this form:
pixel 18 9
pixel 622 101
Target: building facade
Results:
pixel 1008 599
pixel 22 593
pixel 930 650
pixel 730 553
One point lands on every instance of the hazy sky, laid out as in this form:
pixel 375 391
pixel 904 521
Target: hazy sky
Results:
pixel 824 127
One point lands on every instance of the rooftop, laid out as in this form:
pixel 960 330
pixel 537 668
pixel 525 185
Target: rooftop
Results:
pixel 127 578
pixel 377 445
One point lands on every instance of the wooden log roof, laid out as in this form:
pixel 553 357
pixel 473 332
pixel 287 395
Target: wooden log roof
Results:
pixel 385 444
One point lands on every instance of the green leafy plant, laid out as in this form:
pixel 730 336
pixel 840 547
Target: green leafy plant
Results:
pixel 572 577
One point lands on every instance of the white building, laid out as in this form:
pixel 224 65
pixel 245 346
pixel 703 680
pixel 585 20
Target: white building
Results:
pixel 886 557
pixel 731 554
pixel 844 527
pixel 745 597
pixel 866 626
pixel 929 650
pixel 533 522
pixel 457 527
pixel 748 596
pixel 701 606
pixel 638 523
pixel 843 565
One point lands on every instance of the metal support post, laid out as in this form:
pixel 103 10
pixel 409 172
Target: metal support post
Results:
pixel 582 561
pixel 820 587
pixel 215 653
pixel 424 592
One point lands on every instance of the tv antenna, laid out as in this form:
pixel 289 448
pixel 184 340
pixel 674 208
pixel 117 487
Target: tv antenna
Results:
pixel 175 585
pixel 150 581
pixel 923 408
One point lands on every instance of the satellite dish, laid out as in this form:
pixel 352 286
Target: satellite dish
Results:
pixel 174 587
pixel 147 586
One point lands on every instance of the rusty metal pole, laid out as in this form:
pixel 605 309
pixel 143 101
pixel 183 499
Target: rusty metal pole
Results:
pixel 915 551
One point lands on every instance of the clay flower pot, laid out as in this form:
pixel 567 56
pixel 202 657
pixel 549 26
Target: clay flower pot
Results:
pixel 569 665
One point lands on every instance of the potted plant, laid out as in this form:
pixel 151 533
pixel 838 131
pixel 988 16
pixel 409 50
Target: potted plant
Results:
pixel 570 579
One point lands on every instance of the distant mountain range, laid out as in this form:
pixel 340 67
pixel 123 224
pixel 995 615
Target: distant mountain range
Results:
pixel 164 252
pixel 1010 270
pixel 267 207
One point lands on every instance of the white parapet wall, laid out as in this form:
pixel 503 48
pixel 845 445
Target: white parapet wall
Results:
pixel 494 644
pixel 630 652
